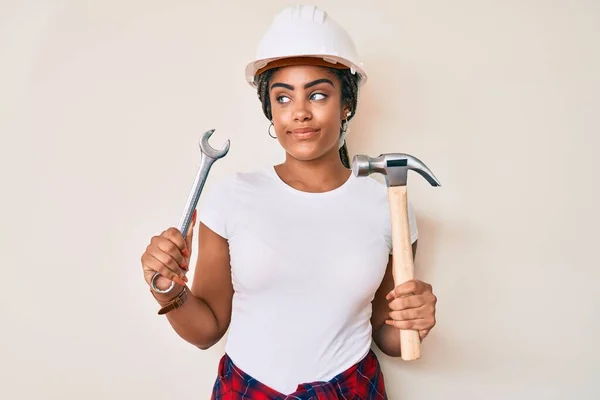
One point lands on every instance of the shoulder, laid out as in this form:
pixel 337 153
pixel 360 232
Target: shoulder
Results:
pixel 253 177
pixel 373 193
pixel 371 188
pixel 234 183
pixel 224 196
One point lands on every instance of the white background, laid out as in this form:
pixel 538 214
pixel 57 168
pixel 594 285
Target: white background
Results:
pixel 102 104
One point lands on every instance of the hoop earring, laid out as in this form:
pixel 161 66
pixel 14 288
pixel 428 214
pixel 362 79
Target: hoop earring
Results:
pixel 269 130
pixel 345 124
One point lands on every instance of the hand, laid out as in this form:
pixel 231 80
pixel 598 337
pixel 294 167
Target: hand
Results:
pixel 413 307
pixel 169 255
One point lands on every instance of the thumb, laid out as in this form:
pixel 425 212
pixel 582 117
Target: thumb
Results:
pixel 190 234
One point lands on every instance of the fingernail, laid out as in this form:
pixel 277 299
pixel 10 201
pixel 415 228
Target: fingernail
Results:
pixel 179 281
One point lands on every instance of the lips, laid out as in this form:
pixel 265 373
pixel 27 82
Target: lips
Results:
pixel 304 130
pixel 304 133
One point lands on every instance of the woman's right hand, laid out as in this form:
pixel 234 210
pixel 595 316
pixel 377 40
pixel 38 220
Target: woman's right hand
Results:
pixel 169 255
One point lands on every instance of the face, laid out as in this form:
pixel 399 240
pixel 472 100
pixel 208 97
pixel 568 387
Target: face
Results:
pixel 307 111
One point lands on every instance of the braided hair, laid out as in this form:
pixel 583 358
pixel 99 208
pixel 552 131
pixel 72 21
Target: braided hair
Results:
pixel 349 83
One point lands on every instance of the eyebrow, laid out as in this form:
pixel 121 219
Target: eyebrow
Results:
pixel 309 84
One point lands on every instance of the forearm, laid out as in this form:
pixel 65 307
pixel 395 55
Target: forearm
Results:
pixel 194 321
pixel 387 338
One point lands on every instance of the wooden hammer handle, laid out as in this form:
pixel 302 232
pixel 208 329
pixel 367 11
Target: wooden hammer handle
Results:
pixel 403 267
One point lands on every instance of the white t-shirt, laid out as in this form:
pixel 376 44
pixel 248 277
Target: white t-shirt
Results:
pixel 305 268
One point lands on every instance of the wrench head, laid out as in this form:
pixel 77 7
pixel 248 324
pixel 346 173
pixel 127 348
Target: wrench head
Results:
pixel 208 150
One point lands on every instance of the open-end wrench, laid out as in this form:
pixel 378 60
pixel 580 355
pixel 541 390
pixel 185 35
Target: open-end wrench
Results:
pixel 208 156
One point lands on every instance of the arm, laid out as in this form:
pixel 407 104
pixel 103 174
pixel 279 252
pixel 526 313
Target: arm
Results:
pixel 205 316
pixel 385 336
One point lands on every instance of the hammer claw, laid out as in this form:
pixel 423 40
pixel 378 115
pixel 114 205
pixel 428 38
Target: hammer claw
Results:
pixel 394 166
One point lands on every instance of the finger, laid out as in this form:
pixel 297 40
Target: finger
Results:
pixel 168 263
pixel 407 288
pixel 175 236
pixel 170 248
pixel 152 265
pixel 423 333
pixel 403 303
pixel 187 252
pixel 411 324
pixel 411 313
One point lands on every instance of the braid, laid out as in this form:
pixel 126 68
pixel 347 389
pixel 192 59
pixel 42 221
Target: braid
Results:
pixel 263 91
pixel 349 96
pixel 349 84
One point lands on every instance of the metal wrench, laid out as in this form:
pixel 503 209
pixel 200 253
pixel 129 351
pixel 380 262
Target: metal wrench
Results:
pixel 208 156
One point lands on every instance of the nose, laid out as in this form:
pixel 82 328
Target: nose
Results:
pixel 302 111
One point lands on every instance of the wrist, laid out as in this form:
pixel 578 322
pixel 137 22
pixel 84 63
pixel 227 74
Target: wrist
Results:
pixel 164 298
pixel 175 301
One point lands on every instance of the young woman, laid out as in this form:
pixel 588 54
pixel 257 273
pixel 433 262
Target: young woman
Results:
pixel 295 259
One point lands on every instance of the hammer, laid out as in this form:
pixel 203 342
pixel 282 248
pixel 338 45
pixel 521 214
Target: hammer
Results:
pixel 395 166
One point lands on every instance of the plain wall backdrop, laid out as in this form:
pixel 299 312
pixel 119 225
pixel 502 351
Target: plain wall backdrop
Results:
pixel 102 104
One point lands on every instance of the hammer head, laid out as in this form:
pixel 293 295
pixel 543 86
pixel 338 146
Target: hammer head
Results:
pixel 394 166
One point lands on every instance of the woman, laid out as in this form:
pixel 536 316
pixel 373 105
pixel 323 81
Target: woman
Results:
pixel 295 259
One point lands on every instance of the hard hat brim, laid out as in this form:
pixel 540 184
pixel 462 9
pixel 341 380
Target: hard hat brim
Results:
pixel 257 67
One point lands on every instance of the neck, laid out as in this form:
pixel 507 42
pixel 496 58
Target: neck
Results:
pixel 320 175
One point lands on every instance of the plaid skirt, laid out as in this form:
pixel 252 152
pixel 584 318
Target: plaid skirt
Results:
pixel 362 381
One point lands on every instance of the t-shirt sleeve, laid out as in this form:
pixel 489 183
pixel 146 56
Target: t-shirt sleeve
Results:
pixel 412 223
pixel 214 207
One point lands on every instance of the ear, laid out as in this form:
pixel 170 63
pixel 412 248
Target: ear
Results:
pixel 346 113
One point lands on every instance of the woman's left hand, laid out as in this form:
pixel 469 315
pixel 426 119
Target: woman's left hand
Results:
pixel 412 307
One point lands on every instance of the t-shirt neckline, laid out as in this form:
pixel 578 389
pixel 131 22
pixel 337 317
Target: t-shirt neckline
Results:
pixel 271 170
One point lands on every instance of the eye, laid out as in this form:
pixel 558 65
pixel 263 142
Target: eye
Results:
pixel 318 96
pixel 282 99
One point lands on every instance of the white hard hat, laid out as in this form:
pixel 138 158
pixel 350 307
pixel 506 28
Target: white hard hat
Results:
pixel 306 31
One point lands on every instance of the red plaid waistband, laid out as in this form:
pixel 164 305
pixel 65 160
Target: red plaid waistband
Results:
pixel 364 381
